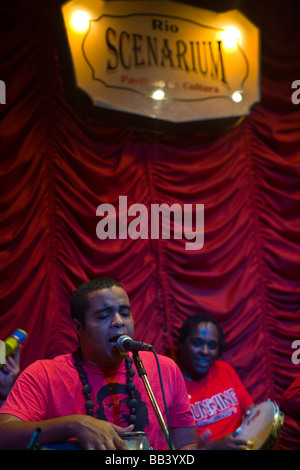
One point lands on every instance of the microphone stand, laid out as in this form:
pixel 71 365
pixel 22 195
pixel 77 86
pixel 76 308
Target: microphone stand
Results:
pixel 143 375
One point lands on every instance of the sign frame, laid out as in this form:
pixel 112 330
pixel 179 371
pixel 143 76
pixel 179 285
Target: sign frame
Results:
pixel 82 103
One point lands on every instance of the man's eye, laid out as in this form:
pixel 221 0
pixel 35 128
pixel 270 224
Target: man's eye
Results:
pixel 102 316
pixel 197 343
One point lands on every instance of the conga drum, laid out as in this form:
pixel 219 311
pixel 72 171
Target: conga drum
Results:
pixel 136 440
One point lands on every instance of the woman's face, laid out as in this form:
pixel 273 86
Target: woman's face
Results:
pixel 199 351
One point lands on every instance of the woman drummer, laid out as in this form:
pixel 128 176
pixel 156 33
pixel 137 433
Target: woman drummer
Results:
pixel 218 398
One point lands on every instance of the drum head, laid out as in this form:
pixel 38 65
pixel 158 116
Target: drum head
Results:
pixel 262 426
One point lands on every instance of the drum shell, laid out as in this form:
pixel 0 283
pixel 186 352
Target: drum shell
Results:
pixel 136 440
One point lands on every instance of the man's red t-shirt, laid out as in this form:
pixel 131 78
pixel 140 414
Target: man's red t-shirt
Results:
pixel 52 388
pixel 218 400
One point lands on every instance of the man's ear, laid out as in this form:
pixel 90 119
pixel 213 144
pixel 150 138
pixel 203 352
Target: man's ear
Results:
pixel 77 326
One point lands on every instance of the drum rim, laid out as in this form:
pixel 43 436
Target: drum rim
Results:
pixel 277 424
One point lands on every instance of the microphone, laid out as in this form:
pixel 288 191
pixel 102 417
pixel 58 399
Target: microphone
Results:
pixel 125 344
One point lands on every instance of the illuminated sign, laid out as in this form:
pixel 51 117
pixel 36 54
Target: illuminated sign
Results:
pixel 163 60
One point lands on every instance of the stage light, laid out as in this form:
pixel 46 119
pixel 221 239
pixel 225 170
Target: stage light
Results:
pixel 79 21
pixel 237 96
pixel 158 94
pixel 230 37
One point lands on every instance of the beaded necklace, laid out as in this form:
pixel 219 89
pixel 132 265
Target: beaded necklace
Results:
pixel 87 389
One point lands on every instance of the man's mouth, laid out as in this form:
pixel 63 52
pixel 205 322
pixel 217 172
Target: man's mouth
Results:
pixel 203 362
pixel 113 340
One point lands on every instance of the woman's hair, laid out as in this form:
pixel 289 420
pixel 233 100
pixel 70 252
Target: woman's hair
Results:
pixel 80 302
pixel 190 324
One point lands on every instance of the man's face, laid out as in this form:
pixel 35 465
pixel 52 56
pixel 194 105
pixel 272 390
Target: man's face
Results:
pixel 199 351
pixel 116 409
pixel 107 317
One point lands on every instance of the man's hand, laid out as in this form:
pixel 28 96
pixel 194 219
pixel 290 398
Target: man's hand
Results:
pixel 95 434
pixel 228 442
pixel 9 372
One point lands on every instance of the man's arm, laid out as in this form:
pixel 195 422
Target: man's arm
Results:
pixel 185 438
pixel 91 433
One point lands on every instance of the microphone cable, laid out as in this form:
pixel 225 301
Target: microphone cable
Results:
pixel 171 446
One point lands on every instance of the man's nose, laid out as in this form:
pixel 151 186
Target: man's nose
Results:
pixel 204 349
pixel 117 321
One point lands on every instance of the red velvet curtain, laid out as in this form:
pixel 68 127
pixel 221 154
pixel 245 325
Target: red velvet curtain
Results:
pixel 56 169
